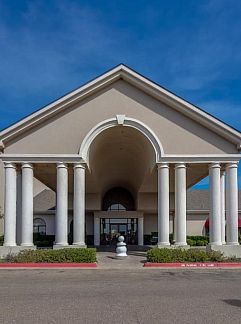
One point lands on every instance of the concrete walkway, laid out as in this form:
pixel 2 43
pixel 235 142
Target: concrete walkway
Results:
pixel 108 260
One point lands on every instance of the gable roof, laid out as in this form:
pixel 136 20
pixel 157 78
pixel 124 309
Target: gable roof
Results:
pixel 45 200
pixel 198 199
pixel 125 73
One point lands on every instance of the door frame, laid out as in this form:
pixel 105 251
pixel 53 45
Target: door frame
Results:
pixel 118 214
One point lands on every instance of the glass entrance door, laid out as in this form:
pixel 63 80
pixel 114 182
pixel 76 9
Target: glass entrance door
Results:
pixel 113 234
pixel 112 228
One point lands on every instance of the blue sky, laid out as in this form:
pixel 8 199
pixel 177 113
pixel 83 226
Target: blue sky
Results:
pixel 193 48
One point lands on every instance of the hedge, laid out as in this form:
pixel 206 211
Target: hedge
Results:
pixel 191 240
pixel 164 255
pixel 197 240
pixel 77 255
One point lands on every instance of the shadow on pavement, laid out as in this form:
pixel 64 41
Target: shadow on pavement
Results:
pixel 233 302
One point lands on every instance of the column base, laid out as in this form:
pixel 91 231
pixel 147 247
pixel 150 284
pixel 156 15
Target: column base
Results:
pixel 13 250
pixel 227 250
pixel 74 246
pixel 60 246
pixel 215 244
pixel 9 245
pixel 232 243
pixel 26 245
pixel 163 245
pixel 181 245
pixel 79 245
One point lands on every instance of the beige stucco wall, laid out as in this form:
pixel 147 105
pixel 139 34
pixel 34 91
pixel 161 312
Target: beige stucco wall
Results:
pixel 150 223
pixel 148 201
pixel 65 132
pixel 195 223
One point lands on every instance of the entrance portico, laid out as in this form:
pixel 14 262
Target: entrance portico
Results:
pixel 140 154
pixel 163 174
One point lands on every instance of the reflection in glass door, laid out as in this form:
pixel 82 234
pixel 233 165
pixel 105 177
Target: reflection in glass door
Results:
pixel 114 233
pixel 112 228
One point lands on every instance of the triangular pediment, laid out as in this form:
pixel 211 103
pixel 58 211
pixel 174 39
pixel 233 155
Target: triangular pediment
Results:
pixel 122 72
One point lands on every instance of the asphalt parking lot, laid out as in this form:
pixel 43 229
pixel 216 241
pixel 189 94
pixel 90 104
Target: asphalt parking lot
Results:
pixel 121 296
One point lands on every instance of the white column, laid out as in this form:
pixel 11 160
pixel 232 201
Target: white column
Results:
pixel 215 204
pixel 180 204
pixel 79 205
pixel 163 204
pixel 222 199
pixel 27 205
pixel 232 203
pixel 96 231
pixel 140 231
pixel 10 205
pixel 61 217
pixel 19 208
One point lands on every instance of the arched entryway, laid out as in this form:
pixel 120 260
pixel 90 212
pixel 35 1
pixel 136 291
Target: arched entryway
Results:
pixel 121 169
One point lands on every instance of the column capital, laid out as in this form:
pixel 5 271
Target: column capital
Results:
pixel 26 165
pixel 78 166
pixel 10 165
pixel 214 165
pixel 60 165
pixel 231 165
pixel 163 165
pixel 180 165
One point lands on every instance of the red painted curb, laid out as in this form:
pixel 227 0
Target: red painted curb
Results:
pixel 47 265
pixel 193 265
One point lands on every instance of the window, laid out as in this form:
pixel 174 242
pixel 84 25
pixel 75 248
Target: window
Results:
pixel 39 226
pixel 116 207
pixel 118 199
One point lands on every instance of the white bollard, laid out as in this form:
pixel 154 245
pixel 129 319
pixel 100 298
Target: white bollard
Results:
pixel 121 248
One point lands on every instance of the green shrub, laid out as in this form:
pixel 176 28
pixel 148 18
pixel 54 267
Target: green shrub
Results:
pixel 195 255
pixel 197 240
pixel 198 237
pixel 217 256
pixel 201 243
pixel 191 242
pixel 159 255
pixel 80 255
pixel 165 255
